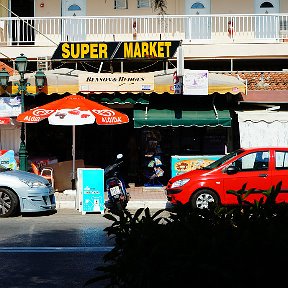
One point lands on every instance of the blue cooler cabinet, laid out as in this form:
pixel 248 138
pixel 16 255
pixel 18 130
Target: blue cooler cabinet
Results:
pixel 90 183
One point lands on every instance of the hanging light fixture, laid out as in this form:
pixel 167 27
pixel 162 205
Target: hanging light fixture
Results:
pixel 40 79
pixel 21 63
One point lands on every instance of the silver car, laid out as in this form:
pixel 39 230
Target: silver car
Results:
pixel 22 191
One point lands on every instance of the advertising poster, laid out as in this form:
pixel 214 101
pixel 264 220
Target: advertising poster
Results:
pixel 122 82
pixel 10 106
pixel 7 159
pixel 91 186
pixel 182 164
pixel 195 82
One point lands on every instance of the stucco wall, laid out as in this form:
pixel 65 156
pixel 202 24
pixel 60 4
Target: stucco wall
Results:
pixel 174 7
pixel 235 7
pixel 283 6
pixel 3 11
pixel 51 8
pixel 106 8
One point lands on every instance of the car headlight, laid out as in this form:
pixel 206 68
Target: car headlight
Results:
pixel 180 183
pixel 33 184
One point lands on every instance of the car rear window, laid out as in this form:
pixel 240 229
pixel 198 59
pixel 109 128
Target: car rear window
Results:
pixel 281 160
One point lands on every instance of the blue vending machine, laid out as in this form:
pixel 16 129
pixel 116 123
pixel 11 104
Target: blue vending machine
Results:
pixel 90 183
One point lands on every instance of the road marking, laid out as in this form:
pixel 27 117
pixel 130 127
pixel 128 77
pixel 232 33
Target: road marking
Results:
pixel 54 249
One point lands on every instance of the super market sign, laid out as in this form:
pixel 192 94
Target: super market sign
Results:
pixel 115 50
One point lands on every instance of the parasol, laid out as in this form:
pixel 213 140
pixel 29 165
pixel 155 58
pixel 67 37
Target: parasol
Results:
pixel 73 110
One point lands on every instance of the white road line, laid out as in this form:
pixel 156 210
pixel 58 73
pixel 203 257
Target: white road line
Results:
pixel 54 249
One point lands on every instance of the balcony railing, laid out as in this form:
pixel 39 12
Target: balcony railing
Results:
pixel 220 28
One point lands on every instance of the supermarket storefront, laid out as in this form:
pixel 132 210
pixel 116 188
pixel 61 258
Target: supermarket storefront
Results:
pixel 163 118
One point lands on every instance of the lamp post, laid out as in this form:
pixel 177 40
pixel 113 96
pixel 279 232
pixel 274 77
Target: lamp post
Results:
pixel 21 66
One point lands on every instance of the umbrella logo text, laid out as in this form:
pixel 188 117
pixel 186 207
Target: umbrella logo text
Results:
pixel 111 120
pixel 42 112
pixel 32 119
pixel 104 112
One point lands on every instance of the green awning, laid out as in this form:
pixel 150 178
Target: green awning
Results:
pixel 176 118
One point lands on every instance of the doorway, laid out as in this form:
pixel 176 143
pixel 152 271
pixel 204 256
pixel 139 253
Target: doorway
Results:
pixel 23 32
pixel 266 24
pixel 73 29
pixel 198 26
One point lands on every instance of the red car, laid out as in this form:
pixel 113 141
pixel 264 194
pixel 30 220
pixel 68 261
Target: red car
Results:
pixel 260 168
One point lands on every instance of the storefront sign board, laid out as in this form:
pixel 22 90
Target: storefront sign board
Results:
pixel 121 82
pixel 195 82
pixel 115 50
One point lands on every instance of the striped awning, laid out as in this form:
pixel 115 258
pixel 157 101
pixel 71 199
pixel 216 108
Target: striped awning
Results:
pixel 64 80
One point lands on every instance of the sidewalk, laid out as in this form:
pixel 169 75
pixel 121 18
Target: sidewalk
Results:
pixel 140 197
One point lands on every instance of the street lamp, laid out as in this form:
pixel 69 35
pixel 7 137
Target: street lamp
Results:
pixel 21 66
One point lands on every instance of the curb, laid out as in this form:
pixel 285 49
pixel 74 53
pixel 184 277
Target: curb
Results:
pixel 156 204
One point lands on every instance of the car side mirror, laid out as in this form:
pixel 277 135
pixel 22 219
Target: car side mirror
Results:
pixel 232 170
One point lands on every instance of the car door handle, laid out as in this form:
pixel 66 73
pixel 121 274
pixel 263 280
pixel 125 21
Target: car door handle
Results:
pixel 263 175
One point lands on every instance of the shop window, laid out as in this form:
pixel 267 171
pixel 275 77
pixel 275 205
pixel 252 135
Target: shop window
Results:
pixel 120 4
pixel 197 5
pixel 143 4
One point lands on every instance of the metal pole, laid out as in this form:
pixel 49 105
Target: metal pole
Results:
pixel 73 159
pixel 23 155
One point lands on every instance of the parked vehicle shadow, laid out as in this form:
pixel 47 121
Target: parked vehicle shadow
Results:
pixel 38 214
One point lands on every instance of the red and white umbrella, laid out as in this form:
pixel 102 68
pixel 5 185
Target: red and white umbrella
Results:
pixel 71 111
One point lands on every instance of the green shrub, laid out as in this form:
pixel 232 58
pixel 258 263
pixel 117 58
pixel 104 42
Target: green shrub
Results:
pixel 230 247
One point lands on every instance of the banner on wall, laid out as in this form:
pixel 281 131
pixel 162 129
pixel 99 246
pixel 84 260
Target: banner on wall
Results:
pixel 183 164
pixel 10 106
pixel 116 82
pixel 195 82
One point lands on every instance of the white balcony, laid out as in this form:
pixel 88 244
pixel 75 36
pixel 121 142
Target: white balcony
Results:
pixel 191 29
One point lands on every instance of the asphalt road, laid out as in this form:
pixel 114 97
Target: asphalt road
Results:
pixel 59 250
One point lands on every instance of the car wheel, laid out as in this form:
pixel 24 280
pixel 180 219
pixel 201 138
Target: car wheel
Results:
pixel 8 202
pixel 202 198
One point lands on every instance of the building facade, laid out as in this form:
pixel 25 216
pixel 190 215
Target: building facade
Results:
pixel 242 39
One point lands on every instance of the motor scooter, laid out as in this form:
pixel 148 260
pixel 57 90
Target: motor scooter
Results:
pixel 115 187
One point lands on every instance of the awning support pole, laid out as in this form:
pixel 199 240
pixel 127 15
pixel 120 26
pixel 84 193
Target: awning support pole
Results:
pixel 214 108
pixel 73 159
pixel 146 112
pixel 100 68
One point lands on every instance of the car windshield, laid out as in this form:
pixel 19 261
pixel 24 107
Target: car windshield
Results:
pixel 223 159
